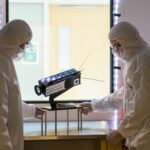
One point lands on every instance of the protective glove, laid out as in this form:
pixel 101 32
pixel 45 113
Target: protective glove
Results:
pixel 39 113
pixel 86 107
pixel 114 137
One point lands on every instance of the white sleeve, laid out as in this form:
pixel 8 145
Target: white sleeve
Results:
pixel 5 141
pixel 109 103
pixel 28 110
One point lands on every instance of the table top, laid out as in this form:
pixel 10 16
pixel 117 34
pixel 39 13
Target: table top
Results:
pixel 90 130
pixel 62 107
pixel 65 137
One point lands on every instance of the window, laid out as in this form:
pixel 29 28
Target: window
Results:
pixel 31 67
pixel 66 34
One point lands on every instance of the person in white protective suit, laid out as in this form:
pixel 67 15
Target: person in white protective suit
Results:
pixel 134 96
pixel 14 37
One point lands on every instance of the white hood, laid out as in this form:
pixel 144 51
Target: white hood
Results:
pixel 129 38
pixel 12 35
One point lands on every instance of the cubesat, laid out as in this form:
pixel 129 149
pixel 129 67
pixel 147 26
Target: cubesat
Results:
pixel 57 84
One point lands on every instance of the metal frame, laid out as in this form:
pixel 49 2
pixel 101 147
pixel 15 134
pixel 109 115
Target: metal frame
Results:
pixel 44 119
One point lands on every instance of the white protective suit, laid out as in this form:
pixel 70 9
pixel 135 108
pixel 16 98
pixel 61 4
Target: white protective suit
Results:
pixel 11 128
pixel 135 95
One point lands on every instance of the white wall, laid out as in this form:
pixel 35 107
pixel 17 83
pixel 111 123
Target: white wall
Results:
pixel 136 12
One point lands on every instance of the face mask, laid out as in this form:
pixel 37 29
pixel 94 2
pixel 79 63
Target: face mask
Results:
pixel 19 54
pixel 119 52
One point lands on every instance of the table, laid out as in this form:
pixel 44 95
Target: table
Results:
pixel 86 139
pixel 48 109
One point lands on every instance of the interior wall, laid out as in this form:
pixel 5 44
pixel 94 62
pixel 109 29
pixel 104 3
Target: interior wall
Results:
pixel 136 12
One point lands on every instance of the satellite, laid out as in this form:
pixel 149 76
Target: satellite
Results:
pixel 57 84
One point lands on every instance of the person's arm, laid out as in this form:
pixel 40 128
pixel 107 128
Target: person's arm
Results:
pixel 109 103
pixel 28 110
pixel 139 104
pixel 31 111
pixel 5 142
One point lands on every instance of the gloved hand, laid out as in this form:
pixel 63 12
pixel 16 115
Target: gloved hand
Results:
pixel 114 137
pixel 86 107
pixel 39 113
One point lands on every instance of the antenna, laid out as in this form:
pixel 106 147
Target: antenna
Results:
pixel 83 62
pixel 93 79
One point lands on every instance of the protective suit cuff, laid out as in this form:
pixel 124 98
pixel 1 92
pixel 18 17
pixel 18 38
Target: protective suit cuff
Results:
pixel 94 105
pixel 122 132
pixel 28 111
pixel 32 110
